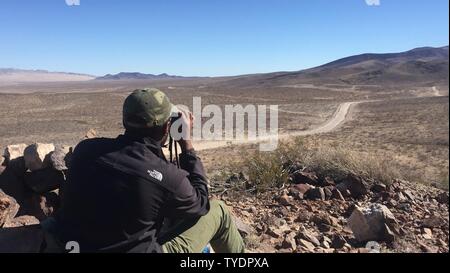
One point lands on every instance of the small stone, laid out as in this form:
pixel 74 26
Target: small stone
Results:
pixel 336 194
pixel 309 237
pixel 244 229
pixel 284 200
pixel 14 151
pixel 433 222
pixel 275 232
pixel 309 246
pixel 289 242
pixel 303 188
pixel 316 194
pixel 373 247
pixel 328 192
pixel 408 194
pixel 427 234
pixel 36 154
pixel 443 198
pixel 303 217
pixel 8 208
pixel 338 242
pixel 328 181
pixel 91 134
pixel 379 187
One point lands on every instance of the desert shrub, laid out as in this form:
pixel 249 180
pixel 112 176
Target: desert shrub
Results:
pixel 268 170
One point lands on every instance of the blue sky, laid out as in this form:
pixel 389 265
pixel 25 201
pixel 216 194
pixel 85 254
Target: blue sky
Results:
pixel 210 37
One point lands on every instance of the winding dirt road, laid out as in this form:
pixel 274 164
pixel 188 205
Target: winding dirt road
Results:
pixel 338 118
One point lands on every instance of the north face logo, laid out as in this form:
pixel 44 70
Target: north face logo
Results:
pixel 155 174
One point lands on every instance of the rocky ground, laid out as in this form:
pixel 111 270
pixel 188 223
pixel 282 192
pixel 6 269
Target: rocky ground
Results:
pixel 352 216
pixel 308 215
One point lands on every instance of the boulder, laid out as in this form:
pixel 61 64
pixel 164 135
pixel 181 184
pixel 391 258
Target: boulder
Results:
pixel 8 208
pixel 373 223
pixel 355 185
pixel 60 158
pixel 44 180
pixel 316 194
pixel 2 160
pixel 303 177
pixel 36 156
pixel 14 151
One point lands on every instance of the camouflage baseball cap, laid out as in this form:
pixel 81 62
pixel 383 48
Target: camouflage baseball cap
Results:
pixel 146 108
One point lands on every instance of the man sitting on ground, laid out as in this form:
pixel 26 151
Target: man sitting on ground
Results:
pixel 121 192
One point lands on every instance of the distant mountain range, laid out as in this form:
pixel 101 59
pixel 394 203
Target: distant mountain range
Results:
pixel 420 65
pixel 426 65
pixel 137 76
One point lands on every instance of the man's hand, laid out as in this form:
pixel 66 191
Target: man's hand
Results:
pixel 186 121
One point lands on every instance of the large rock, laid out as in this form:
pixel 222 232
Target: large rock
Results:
pixel 373 223
pixel 8 208
pixel 44 180
pixel 60 158
pixel 36 156
pixel 355 185
pixel 302 177
pixel 12 184
pixel 316 194
pixel 14 151
pixel 21 221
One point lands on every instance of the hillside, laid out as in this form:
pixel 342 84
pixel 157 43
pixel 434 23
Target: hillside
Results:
pixel 421 66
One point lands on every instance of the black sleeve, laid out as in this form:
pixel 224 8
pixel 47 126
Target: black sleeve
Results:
pixel 190 198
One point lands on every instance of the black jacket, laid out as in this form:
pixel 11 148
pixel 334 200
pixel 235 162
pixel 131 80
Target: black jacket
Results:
pixel 119 191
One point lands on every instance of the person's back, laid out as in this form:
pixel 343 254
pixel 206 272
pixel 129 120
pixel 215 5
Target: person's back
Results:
pixel 120 191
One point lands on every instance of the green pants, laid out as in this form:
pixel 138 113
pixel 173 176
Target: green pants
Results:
pixel 216 228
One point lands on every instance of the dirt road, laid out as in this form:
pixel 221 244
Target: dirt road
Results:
pixel 338 118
